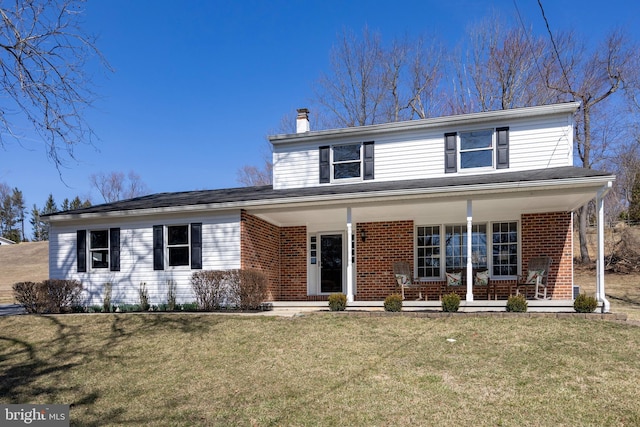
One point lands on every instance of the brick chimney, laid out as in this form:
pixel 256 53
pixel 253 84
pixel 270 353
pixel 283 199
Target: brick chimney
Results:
pixel 302 121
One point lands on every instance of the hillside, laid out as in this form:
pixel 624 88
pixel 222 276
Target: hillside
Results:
pixel 21 263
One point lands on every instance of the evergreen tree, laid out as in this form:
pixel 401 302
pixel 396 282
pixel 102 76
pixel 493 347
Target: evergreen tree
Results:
pixel 37 225
pixel 18 211
pixel 634 204
pixel 49 208
pixel 11 213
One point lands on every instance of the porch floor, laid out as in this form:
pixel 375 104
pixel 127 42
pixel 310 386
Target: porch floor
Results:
pixel 540 306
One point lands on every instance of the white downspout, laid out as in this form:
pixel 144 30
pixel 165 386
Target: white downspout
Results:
pixel 600 293
pixel 349 258
pixel 469 251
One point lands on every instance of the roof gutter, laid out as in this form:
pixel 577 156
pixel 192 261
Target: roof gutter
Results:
pixel 422 124
pixel 356 198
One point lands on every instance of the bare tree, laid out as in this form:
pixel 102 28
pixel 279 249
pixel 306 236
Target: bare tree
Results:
pixel 501 69
pixel 114 186
pixel 356 89
pixel 593 77
pixel 43 53
pixel 426 69
pixel 254 176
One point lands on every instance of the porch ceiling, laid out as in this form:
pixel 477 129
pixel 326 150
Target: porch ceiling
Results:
pixel 501 205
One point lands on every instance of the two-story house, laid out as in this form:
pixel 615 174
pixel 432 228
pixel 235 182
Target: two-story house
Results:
pixel 346 204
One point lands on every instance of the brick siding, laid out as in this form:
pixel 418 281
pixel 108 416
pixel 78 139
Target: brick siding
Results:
pixel 386 243
pixel 260 250
pixel 293 252
pixel 281 253
pixel 550 234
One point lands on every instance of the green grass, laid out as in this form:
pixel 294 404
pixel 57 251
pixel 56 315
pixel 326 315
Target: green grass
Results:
pixel 195 369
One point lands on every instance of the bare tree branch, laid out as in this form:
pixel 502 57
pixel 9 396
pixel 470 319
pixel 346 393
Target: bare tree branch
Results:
pixel 43 55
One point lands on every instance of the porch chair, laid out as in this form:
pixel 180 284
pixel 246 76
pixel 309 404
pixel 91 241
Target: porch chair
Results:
pixel 536 277
pixel 457 279
pixel 481 280
pixel 404 277
pixel 454 280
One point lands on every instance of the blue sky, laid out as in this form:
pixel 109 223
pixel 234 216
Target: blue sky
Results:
pixel 198 85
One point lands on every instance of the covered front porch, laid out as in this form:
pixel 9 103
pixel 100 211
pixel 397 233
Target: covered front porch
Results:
pixel 311 247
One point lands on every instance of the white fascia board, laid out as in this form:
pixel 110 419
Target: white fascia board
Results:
pixel 423 124
pixel 474 191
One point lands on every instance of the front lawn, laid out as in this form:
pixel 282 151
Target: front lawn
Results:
pixel 327 369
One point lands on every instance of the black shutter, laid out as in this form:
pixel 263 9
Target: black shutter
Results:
pixel 368 160
pixel 196 246
pixel 114 249
pixel 502 151
pixel 158 247
pixel 325 165
pixel 81 250
pixel 450 152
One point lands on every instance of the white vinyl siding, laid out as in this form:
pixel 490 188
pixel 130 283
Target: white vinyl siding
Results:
pixel 536 143
pixel 220 250
pixel 540 144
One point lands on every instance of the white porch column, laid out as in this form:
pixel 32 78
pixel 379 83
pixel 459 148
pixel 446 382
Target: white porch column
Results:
pixel 469 251
pixel 349 257
pixel 600 294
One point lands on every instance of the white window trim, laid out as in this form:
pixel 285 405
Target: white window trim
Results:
pixel 91 250
pixel 443 255
pixel 167 246
pixel 333 163
pixel 492 149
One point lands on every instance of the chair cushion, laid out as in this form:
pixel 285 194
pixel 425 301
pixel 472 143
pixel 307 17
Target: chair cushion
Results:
pixel 454 279
pixel 532 277
pixel 403 279
pixel 481 278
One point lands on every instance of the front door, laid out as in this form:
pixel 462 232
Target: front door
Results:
pixel 331 263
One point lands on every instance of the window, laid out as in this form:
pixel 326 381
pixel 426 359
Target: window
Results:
pixel 434 250
pixel 99 248
pixel 456 246
pixel 428 242
pixel 476 149
pixel 505 249
pixel 103 249
pixel 178 245
pixel 488 148
pixel 183 245
pixel 313 250
pixel 346 162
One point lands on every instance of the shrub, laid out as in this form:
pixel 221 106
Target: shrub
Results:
pixel 337 302
pixel 190 306
pixel 517 304
pixel 26 293
pixel 585 304
pixel 61 295
pixel 144 297
pixel 106 302
pixel 172 289
pixel 95 309
pixel 450 302
pixel 249 288
pixel 393 303
pixel 50 296
pixel 128 308
pixel 210 288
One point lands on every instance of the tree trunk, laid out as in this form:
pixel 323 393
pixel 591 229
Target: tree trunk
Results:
pixel 582 233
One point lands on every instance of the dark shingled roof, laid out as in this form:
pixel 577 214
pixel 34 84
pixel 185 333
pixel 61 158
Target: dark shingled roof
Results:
pixel 248 194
